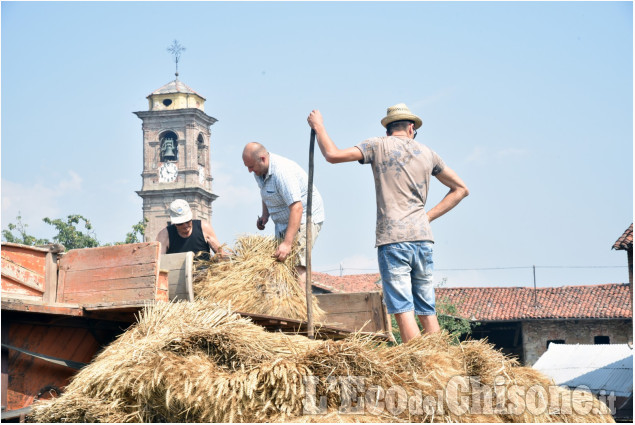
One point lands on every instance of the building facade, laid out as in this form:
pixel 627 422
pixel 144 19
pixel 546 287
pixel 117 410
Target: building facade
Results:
pixel 538 334
pixel 176 155
pixel 522 321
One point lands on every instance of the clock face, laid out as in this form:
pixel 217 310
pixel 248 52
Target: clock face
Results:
pixel 201 174
pixel 168 172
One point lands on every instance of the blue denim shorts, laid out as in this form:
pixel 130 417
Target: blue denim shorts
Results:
pixel 406 274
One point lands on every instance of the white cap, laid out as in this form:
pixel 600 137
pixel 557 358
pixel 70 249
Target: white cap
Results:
pixel 180 212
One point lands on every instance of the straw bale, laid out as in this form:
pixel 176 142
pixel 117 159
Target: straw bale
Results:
pixel 200 362
pixel 78 408
pixel 255 282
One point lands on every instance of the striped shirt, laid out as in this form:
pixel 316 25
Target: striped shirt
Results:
pixel 285 183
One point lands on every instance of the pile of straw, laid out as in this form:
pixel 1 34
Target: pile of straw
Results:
pixel 199 362
pixel 255 282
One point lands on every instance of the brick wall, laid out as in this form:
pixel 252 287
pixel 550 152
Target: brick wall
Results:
pixel 536 333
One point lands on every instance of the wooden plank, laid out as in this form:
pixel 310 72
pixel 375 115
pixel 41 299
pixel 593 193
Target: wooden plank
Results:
pixel 163 287
pixel 179 267
pixel 360 321
pixel 115 305
pixel 376 311
pixel 131 293
pixel 100 279
pixel 103 274
pixel 110 256
pixel 50 278
pixel 345 302
pixel 22 275
pixel 97 285
pixel 37 307
pixel 9 246
pixel 28 257
pixel 21 298
pixel 13 288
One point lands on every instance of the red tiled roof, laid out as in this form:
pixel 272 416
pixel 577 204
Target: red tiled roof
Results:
pixel 517 303
pixel 514 303
pixel 626 240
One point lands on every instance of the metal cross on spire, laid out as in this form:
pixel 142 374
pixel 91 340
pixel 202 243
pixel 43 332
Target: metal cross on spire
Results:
pixel 176 49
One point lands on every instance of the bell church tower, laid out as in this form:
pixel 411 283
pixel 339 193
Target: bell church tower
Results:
pixel 176 155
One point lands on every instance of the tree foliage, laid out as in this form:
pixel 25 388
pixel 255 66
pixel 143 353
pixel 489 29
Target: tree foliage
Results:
pixel 137 232
pixel 21 236
pixel 74 232
pixel 70 236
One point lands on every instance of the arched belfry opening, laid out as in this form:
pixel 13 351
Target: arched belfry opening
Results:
pixel 169 147
pixel 201 151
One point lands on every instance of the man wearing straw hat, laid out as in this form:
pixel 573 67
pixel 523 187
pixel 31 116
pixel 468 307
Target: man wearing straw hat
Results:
pixel 402 168
pixel 185 234
pixel 283 188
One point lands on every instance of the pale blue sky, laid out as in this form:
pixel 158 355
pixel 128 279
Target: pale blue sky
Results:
pixel 530 103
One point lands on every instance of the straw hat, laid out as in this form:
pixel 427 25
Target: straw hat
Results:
pixel 400 112
pixel 180 212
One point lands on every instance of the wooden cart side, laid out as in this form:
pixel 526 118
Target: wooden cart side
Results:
pixel 356 311
pixel 121 273
pixel 29 270
pixel 179 267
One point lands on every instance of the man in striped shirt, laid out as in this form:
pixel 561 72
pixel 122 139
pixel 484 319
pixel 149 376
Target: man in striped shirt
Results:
pixel 283 188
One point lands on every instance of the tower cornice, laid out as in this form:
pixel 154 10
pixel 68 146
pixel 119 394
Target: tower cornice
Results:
pixel 176 113
pixel 177 193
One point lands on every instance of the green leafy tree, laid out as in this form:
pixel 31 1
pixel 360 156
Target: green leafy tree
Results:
pixel 21 236
pixel 449 320
pixel 70 236
pixel 137 232
pixel 69 233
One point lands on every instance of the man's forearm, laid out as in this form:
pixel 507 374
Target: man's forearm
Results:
pixel 451 200
pixel 324 141
pixel 265 211
pixel 458 191
pixel 295 218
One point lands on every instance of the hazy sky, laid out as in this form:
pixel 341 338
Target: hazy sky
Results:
pixel 530 103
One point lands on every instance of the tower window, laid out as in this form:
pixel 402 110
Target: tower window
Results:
pixel 601 339
pixel 201 149
pixel 167 102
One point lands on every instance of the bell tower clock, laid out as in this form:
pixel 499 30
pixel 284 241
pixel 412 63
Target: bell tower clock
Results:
pixel 176 154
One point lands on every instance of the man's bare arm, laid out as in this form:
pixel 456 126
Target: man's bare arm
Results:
pixel 164 238
pixel 331 152
pixel 458 191
pixel 210 237
pixel 264 218
pixel 295 218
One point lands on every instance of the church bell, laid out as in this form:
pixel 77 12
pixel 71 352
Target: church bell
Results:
pixel 168 150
